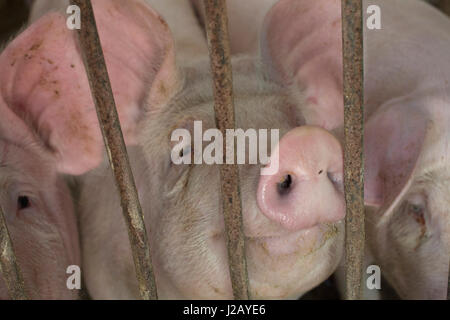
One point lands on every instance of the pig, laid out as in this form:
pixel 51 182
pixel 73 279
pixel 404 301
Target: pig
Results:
pixel 407 158
pixel 158 64
pixel 34 196
pixel 407 109
pixel 245 20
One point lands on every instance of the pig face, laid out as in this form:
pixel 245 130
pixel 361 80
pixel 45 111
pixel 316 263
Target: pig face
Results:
pixel 280 253
pixel 41 221
pixel 35 199
pixel 294 240
pixel 287 235
pixel 406 149
pixel 408 231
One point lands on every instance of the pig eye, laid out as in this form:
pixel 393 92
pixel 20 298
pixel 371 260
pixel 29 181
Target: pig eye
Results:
pixel 417 212
pixel 416 208
pixel 285 185
pixel 23 202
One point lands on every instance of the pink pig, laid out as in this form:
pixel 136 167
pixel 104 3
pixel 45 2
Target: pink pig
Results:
pixel 407 184
pixel 159 71
pixel 34 196
pixel 407 104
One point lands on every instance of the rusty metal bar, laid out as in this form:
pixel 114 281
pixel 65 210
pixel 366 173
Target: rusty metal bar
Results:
pixel 352 40
pixel 8 265
pixel 219 52
pixel 115 146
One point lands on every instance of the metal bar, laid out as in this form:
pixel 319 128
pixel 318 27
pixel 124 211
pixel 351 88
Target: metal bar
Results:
pixel 8 265
pixel 444 5
pixel 219 52
pixel 352 40
pixel 115 146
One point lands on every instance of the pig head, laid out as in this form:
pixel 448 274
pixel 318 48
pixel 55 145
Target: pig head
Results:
pixel 407 155
pixel 34 196
pixel 161 82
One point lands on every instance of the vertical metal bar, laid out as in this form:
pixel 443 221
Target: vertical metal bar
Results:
pixel 115 146
pixel 352 39
pixel 219 51
pixel 8 265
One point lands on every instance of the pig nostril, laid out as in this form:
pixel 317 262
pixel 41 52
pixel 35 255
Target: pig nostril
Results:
pixel 23 202
pixel 331 177
pixel 285 185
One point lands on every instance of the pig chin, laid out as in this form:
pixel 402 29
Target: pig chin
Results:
pixel 300 243
pixel 285 267
pixel 279 267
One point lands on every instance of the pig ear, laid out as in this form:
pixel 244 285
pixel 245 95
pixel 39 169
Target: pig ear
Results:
pixel 393 141
pixel 45 90
pixel 301 44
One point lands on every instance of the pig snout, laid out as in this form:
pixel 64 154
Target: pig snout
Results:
pixel 307 188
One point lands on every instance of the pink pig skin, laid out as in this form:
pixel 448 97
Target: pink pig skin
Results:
pixel 407 103
pixel 34 196
pixel 159 70
pixel 44 235
pixel 183 212
pixel 44 231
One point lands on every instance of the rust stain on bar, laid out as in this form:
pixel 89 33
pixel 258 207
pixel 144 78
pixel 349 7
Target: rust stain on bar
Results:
pixel 115 146
pixel 8 265
pixel 219 51
pixel 352 39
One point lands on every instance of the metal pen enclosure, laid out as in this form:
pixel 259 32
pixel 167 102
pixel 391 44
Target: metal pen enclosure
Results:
pixel 220 58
